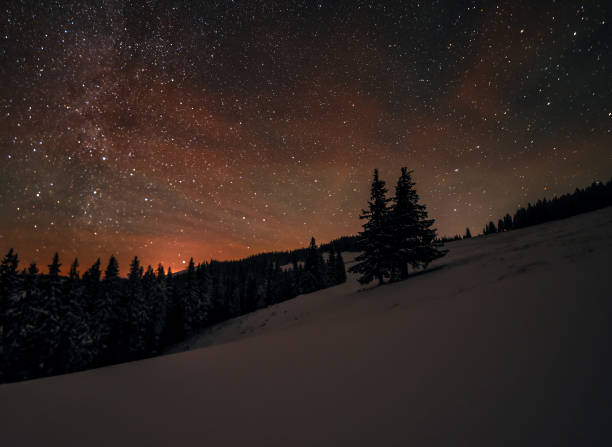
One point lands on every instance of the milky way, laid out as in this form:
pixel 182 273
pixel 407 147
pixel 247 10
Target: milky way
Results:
pixel 170 130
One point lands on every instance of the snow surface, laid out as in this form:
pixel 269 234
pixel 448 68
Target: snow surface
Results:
pixel 505 341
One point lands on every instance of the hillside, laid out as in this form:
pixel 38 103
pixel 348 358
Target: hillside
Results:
pixel 506 340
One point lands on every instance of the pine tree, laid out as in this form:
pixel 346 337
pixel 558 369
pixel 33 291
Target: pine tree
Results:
pixel 97 311
pixel 24 354
pixel 195 299
pixel 74 270
pixel 508 222
pixel 8 281
pixel 91 291
pixel 490 228
pixel 54 267
pixel 112 270
pixel 468 233
pixel 414 241
pixel 203 288
pixel 330 268
pixel 314 266
pixel 135 312
pixel 55 343
pixel 340 269
pixel 160 272
pixel 156 295
pixel 109 308
pixel 79 350
pixel 30 278
pixel 10 315
pixel 173 328
pixel 375 239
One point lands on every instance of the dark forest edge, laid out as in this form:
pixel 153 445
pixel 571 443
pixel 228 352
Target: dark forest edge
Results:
pixel 52 324
pixel 583 200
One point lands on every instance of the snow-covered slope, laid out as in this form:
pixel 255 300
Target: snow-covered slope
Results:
pixel 506 340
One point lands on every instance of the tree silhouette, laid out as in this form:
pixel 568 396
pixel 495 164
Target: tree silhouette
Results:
pixel 375 239
pixel 54 267
pixel 74 270
pixel 112 269
pixel 340 269
pixel 489 228
pixel 135 312
pixel 313 265
pixel 414 240
pixel 10 314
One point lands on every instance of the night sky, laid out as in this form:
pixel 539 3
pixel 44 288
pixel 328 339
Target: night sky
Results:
pixel 169 130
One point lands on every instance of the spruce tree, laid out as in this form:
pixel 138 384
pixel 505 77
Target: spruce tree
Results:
pixel 54 341
pixel 8 281
pixel 10 315
pixel 340 269
pixel 468 233
pixel 152 326
pixel 414 239
pixel 375 239
pixel 161 275
pixel 135 312
pixel 91 290
pixel 156 296
pixel 190 300
pixel 508 222
pixel 24 353
pixel 79 350
pixel 173 329
pixel 330 268
pixel 195 302
pixel 109 308
pixel 314 266
pixel 74 270
pixel 112 269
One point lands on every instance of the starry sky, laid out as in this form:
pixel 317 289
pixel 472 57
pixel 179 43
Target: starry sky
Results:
pixel 221 129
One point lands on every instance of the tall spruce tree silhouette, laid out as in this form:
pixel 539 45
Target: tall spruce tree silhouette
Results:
pixel 375 239
pixel 135 314
pixel 9 312
pixel 74 270
pixel 190 300
pixel 313 265
pixel 112 269
pixel 111 305
pixel 96 310
pixel 413 240
pixel 340 269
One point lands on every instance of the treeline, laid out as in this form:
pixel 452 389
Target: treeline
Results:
pixel 52 324
pixel 591 198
